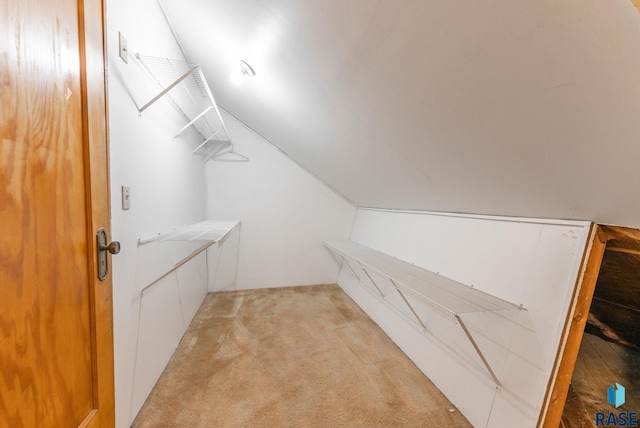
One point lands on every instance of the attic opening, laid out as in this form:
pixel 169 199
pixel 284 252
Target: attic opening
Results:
pixel 602 349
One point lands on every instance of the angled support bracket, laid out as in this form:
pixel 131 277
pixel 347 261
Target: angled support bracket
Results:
pixel 371 279
pixel 168 88
pixel 475 346
pixel 351 269
pixel 211 139
pixel 192 121
pixel 342 263
pixel 424 327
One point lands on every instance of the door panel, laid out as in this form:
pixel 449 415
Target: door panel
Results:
pixel 56 361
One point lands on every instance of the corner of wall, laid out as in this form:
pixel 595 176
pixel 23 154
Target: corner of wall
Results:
pixel 286 213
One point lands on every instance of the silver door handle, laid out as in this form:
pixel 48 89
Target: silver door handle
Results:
pixel 103 262
pixel 113 247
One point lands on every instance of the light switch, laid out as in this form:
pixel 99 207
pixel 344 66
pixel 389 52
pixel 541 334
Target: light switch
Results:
pixel 126 197
pixel 122 42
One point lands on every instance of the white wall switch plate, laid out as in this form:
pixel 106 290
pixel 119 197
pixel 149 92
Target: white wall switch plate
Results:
pixel 123 48
pixel 126 197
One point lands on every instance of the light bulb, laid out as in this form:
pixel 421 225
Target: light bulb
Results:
pixel 238 76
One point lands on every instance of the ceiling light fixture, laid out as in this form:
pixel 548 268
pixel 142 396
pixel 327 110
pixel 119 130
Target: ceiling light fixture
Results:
pixel 237 77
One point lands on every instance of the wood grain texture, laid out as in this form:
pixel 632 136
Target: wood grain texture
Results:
pixel 98 207
pixel 615 310
pixel 599 364
pixel 623 250
pixel 573 331
pixel 575 414
pixel 619 236
pixel 47 328
pixel 601 238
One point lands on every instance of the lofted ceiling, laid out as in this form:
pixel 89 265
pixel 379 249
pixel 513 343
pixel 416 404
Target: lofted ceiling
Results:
pixel 525 108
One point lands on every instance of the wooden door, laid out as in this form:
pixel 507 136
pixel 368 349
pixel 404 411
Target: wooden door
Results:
pixel 56 351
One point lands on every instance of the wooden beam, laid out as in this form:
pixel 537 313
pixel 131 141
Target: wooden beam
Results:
pixel 624 250
pixel 558 386
pixel 624 238
pixel 623 234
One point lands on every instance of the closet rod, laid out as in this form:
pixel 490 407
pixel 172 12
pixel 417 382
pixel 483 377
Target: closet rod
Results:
pixel 178 265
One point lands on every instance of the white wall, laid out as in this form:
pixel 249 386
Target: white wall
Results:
pixel 167 190
pixel 222 263
pixel 529 262
pixel 285 212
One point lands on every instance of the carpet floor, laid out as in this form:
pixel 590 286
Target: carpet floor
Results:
pixel 291 357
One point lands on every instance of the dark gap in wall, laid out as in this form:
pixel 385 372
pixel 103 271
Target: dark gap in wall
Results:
pixel 610 348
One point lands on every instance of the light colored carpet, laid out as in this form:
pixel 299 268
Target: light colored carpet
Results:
pixel 291 357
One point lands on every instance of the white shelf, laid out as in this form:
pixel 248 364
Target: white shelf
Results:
pixel 484 319
pixel 211 234
pixel 211 231
pixel 185 86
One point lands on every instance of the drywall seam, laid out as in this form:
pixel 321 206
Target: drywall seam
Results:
pixel 526 220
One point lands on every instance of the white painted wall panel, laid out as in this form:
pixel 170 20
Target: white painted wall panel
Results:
pixel 167 191
pixel 286 214
pixel 192 284
pixel 525 261
pixel 223 263
pixel 160 316
pixel 160 329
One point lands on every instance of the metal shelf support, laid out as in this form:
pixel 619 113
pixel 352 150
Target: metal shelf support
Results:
pixel 186 88
pixel 479 314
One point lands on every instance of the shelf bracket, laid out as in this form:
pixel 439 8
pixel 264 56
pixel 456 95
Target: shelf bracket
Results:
pixel 352 269
pixel 211 138
pixel 475 346
pixel 345 262
pixel 168 88
pixel 218 156
pixel 193 100
pixel 194 120
pixel 371 279
pixel 424 327
pixel 424 290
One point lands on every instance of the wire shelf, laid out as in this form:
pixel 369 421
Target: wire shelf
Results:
pixel 211 231
pixel 206 234
pixel 492 325
pixel 186 88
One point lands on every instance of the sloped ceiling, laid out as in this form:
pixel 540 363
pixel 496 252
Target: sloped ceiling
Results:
pixel 526 108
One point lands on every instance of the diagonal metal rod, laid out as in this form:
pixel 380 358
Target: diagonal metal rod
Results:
pixel 213 102
pixel 211 138
pixel 408 304
pixel 192 121
pixel 217 149
pixel 352 269
pixel 475 346
pixel 180 263
pixel 343 262
pixel 371 279
pixel 168 88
